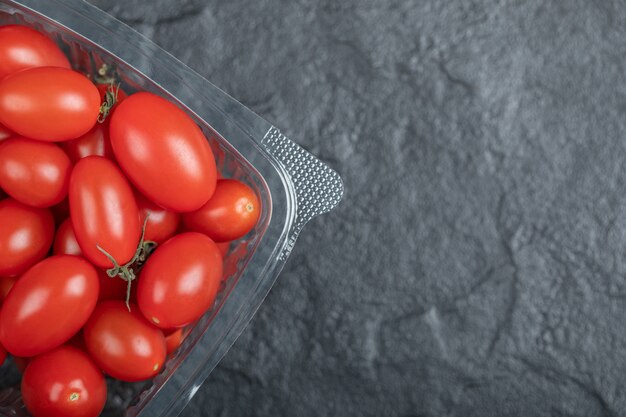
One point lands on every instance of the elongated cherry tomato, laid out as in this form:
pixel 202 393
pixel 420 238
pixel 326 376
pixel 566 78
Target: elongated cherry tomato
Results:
pixel 22 47
pixel 162 224
pixel 123 343
pixel 163 152
pixel 180 280
pixel 95 142
pixel 34 173
pixel 5 133
pixel 48 305
pixel 49 104
pixel 230 214
pixel 64 383
pixel 224 247
pixel 103 211
pixel 111 288
pixel 26 234
pixel 3 354
pixel 65 241
pixel 174 340
pixel 5 286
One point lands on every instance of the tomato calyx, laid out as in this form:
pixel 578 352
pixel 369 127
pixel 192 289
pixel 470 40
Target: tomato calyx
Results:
pixel 129 271
pixel 110 98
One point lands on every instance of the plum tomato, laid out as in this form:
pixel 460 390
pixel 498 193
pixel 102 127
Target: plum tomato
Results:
pixel 65 241
pixel 95 142
pixel 34 173
pixel 26 234
pixel 5 286
pixel 48 305
pixel 162 224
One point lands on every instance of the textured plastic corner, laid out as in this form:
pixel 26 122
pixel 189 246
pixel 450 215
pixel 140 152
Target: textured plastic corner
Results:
pixel 317 187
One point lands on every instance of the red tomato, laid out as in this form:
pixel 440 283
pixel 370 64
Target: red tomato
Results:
pixel 65 241
pixel 64 383
pixel 224 247
pixel 21 363
pixel 111 288
pixel 34 173
pixel 4 132
pixel 61 211
pixel 230 214
pixel 5 286
pixel 174 340
pixel 163 152
pixel 103 211
pixel 123 343
pixel 180 280
pixel 95 142
pixel 48 305
pixel 22 47
pixel 39 103
pixel 25 237
pixel 162 224
pixel 3 355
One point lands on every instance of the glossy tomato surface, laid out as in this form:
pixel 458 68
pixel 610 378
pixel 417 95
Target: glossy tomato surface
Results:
pixel 26 234
pixel 22 47
pixel 163 152
pixel 48 305
pixel 162 224
pixel 65 240
pixel 34 173
pixel 64 383
pixel 174 340
pixel 103 211
pixel 95 142
pixel 5 133
pixel 49 104
pixel 123 343
pixel 230 214
pixel 180 280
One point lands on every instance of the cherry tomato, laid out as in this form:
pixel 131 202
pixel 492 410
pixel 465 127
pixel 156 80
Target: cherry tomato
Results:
pixel 22 47
pixel 111 288
pixel 230 214
pixel 20 363
pixel 123 343
pixel 5 286
pixel 3 355
pixel 61 211
pixel 162 224
pixel 95 142
pixel 174 340
pixel 39 103
pixel 34 173
pixel 48 305
pixel 65 241
pixel 26 234
pixel 103 211
pixel 64 383
pixel 163 152
pixel 224 247
pixel 5 133
pixel 180 280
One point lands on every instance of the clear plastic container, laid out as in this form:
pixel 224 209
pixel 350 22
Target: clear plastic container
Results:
pixel 293 187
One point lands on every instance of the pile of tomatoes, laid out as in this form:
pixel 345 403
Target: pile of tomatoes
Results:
pixel 113 226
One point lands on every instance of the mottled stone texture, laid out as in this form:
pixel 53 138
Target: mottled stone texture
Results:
pixel 476 265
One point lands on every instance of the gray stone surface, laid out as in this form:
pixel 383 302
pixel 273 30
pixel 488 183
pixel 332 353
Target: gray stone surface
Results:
pixel 476 265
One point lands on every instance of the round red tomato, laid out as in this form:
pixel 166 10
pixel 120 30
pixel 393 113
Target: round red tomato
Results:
pixel 162 224
pixel 163 152
pixel 64 383
pixel 123 343
pixel 34 173
pixel 95 142
pixel 112 288
pixel 48 305
pixel 180 280
pixel 49 104
pixel 25 237
pixel 230 214
pixel 22 47
pixel 65 241
pixel 103 211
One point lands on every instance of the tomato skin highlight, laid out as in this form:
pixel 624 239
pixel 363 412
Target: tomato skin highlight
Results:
pixel 163 152
pixel 103 211
pixel 64 383
pixel 26 234
pixel 180 280
pixel 122 343
pixel 162 224
pixel 22 47
pixel 61 289
pixel 65 240
pixel 230 214
pixel 34 173
pixel 38 102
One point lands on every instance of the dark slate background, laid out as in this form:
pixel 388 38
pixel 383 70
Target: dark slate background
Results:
pixel 476 265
